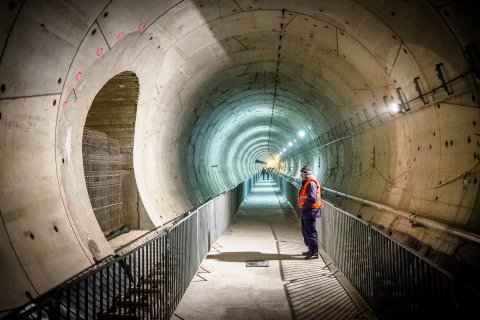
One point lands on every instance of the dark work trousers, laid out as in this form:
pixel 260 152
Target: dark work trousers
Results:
pixel 310 235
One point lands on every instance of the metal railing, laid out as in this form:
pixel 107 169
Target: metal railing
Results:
pixel 147 278
pixel 395 281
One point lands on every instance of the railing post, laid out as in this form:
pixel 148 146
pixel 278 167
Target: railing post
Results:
pixel 168 276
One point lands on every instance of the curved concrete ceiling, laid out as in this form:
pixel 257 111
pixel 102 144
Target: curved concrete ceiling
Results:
pixel 225 83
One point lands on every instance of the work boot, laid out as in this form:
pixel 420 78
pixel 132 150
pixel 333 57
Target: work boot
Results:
pixel 311 255
pixel 306 253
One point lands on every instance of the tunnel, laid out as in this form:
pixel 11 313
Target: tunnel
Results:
pixel 121 116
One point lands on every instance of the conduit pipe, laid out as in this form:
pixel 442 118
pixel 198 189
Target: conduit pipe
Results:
pixel 413 218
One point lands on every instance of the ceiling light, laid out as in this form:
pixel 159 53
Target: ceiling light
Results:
pixel 301 133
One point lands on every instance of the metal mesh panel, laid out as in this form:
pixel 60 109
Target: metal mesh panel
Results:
pixel 102 161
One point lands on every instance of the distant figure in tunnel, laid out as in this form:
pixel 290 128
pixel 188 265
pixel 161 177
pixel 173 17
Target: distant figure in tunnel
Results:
pixel 263 173
pixel 268 174
pixel 309 202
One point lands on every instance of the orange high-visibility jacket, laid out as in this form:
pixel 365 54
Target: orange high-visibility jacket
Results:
pixel 302 196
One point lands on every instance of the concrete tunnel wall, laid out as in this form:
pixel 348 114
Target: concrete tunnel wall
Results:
pixel 222 84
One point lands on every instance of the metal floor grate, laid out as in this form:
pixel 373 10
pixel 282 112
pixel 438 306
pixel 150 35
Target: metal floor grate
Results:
pixel 256 263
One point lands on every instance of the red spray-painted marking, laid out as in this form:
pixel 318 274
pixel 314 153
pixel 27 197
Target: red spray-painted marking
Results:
pixel 65 105
pixel 79 73
pixel 99 52
pixel 142 26
pixel 120 35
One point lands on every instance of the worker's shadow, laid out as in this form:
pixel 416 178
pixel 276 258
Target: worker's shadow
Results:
pixel 251 255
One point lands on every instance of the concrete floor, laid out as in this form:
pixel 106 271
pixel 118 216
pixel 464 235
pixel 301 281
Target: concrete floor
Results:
pixel 265 228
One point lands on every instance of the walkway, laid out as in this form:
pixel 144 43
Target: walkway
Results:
pixel 282 285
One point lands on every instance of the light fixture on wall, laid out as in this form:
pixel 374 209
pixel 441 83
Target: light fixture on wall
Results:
pixel 391 105
pixel 394 107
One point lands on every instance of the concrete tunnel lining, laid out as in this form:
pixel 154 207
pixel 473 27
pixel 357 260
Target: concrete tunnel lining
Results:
pixel 199 66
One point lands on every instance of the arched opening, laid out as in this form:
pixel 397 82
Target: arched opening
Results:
pixel 108 141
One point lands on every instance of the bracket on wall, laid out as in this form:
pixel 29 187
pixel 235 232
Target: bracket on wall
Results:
pixel 419 88
pixel 373 157
pixel 404 107
pixel 470 53
pixel 441 75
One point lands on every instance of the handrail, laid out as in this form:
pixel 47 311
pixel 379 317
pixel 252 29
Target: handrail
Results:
pixel 159 264
pixel 412 217
pixel 396 281
pixel 170 223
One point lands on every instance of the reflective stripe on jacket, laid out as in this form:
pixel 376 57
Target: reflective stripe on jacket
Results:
pixel 302 196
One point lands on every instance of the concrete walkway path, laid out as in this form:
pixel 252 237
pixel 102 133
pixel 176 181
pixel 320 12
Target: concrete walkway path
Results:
pixel 255 270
